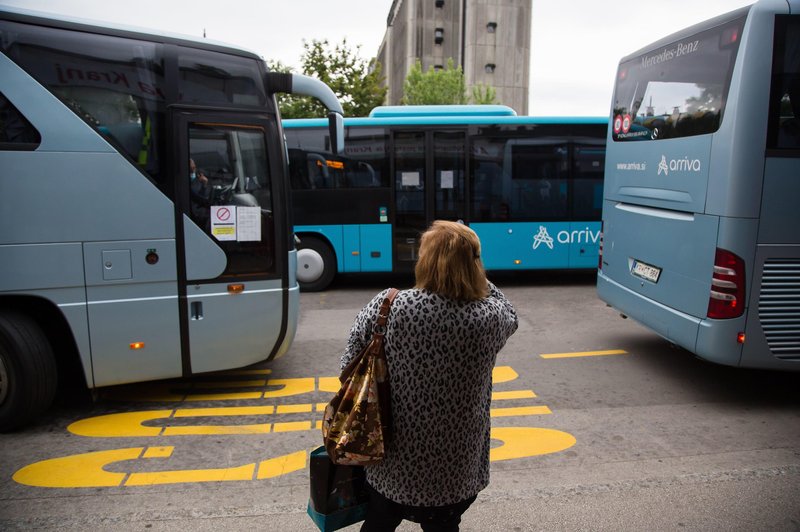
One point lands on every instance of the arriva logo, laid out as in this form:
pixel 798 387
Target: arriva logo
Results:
pixel 564 237
pixel 678 165
pixel 542 237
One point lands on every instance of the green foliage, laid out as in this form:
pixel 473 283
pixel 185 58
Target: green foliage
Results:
pixel 444 86
pixel 355 82
pixel 484 95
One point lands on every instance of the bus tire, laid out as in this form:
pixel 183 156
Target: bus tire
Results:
pixel 28 375
pixel 316 264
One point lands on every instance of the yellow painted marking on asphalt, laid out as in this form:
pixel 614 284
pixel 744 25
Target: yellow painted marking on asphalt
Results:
pixel 207 430
pixel 235 396
pixel 520 411
pixel 226 411
pixel 290 387
pixel 513 394
pixel 503 374
pixel 123 425
pixel 586 354
pixel 499 374
pixel 179 391
pixel 522 442
pixel 291 426
pixel 157 452
pixel 244 372
pixel 77 471
pixel 88 470
pixel 294 409
pixel 130 424
pixel 329 384
pixel 233 384
pixel 276 467
pixel 244 472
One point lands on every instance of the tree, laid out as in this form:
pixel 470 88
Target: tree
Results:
pixel 484 94
pixel 443 86
pixel 355 81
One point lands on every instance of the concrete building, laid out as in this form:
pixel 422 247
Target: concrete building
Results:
pixel 489 39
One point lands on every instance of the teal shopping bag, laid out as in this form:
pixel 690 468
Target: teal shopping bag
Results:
pixel 338 494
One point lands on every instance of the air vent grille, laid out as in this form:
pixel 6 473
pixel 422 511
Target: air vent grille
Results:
pixel 779 307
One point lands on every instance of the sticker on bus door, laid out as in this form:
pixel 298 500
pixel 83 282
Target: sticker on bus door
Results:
pixel 229 222
pixel 223 222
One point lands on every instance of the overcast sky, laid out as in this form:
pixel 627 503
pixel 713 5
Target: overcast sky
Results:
pixel 575 45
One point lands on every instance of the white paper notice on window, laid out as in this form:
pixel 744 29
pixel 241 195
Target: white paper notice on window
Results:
pixel 410 179
pixel 447 179
pixel 223 222
pixel 248 224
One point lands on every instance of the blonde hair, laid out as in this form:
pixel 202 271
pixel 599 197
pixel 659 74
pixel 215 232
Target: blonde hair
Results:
pixel 450 262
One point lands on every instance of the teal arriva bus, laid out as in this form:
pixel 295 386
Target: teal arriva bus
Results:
pixel 530 187
pixel 118 261
pixel 701 220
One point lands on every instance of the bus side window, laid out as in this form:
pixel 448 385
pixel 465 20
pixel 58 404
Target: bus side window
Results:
pixel 539 173
pixel 587 199
pixel 16 133
pixel 785 119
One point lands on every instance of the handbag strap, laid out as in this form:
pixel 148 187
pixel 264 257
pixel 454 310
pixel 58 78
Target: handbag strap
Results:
pixel 383 312
pixel 377 334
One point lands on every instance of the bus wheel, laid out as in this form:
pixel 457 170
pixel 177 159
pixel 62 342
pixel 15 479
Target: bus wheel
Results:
pixel 27 371
pixel 316 264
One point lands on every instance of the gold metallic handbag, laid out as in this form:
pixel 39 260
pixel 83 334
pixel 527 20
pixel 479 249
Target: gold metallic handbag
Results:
pixel 357 421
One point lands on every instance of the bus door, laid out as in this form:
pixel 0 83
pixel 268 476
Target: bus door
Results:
pixel 231 285
pixel 429 184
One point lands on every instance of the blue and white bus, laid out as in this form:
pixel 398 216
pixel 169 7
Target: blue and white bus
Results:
pixel 531 188
pixel 118 261
pixel 701 219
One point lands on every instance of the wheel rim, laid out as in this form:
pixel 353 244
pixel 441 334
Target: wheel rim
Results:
pixel 310 265
pixel 3 380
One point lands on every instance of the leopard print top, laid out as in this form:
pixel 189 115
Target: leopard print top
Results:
pixel 440 354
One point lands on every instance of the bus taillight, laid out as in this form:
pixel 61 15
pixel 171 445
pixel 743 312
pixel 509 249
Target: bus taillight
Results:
pixel 726 299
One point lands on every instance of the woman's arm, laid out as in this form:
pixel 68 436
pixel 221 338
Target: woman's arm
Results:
pixel 509 313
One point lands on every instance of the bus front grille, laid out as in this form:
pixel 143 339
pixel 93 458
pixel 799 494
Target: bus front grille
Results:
pixel 779 307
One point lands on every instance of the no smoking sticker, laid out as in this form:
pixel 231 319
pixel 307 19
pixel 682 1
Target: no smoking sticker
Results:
pixel 223 222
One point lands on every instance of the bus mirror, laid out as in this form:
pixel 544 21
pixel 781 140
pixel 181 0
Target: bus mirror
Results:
pixel 336 131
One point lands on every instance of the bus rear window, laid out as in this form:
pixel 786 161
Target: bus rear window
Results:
pixel 676 90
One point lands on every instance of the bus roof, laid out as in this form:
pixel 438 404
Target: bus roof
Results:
pixel 390 111
pixel 412 119
pixel 17 14
pixel 688 32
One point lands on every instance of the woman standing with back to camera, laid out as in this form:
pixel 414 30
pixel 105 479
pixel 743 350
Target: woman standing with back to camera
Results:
pixel 442 340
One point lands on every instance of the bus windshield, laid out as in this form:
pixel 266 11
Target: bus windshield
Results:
pixel 676 90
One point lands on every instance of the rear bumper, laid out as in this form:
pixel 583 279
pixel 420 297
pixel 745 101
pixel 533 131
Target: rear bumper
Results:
pixel 675 326
pixel 712 340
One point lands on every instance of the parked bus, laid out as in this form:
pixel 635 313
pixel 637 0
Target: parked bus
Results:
pixel 117 258
pixel 531 188
pixel 701 219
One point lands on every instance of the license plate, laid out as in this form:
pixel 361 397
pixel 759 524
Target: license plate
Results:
pixel 645 271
